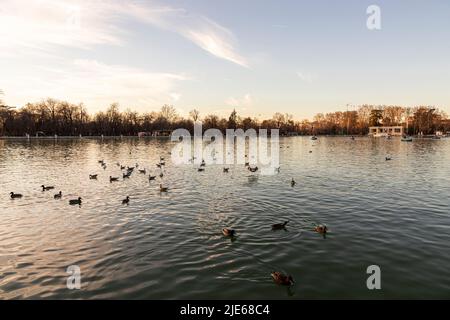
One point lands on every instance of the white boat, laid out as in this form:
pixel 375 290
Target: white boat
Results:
pixel 407 138
pixel 380 135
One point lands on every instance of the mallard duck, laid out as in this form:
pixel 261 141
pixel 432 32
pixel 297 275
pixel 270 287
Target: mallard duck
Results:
pixel 226 170
pixel 122 167
pixel 151 177
pixel 228 232
pixel 44 188
pixel 293 183
pixel 58 195
pixel 388 158
pixel 112 179
pixel 93 176
pixel 163 189
pixel 143 171
pixel 253 169
pixel 75 201
pixel 282 279
pixel 322 229
pixel 15 195
pixel 126 200
pixel 280 226
pixel 126 175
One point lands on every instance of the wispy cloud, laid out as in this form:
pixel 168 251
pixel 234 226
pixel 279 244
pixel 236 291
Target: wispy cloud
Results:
pixel 97 84
pixel 307 77
pixel 41 24
pixel 205 33
pixel 244 102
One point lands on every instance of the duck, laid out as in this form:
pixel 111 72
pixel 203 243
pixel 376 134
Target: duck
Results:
pixel 282 279
pixel 122 167
pixel 101 161
pixel 322 229
pixel 104 166
pixel 158 165
pixel 112 179
pixel 15 195
pixel 161 175
pixel 228 232
pixel 126 200
pixel 58 195
pixel 280 226
pixel 226 170
pixel 161 158
pixel 253 169
pixel 93 176
pixel 44 188
pixel 388 158
pixel 75 201
pixel 130 169
pixel 126 175
pixel 143 171
pixel 203 163
pixel 163 189
pixel 162 163
pixel 201 169
pixel 293 183
pixel 151 178
pixel 247 164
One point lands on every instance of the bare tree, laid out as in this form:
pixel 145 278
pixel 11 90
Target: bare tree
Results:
pixel 194 114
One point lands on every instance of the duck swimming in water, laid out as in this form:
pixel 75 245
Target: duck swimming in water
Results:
pixel 282 279
pixel 322 229
pixel 163 189
pixel 201 169
pixel 293 183
pixel 228 232
pixel 44 188
pixel 143 171
pixel 112 179
pixel 226 170
pixel 58 195
pixel 15 195
pixel 388 158
pixel 151 178
pixel 75 201
pixel 252 169
pixel 280 226
pixel 93 176
pixel 126 200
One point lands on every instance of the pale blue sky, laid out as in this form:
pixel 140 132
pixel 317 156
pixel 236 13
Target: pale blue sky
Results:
pixel 261 57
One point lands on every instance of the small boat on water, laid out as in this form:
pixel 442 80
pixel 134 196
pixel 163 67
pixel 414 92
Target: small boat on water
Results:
pixel 407 138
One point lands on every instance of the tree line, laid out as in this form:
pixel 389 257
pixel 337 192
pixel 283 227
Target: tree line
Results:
pixel 50 117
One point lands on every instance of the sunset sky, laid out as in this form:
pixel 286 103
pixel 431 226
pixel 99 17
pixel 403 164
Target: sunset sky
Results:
pixel 260 57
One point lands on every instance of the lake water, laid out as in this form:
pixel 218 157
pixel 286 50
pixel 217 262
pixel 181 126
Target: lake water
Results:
pixel 394 214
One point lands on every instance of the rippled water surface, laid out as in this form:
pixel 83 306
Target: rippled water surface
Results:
pixel 394 214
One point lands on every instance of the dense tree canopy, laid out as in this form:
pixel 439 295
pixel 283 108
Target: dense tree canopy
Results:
pixel 50 117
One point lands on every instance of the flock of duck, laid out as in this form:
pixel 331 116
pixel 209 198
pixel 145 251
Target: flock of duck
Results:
pixel 278 277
